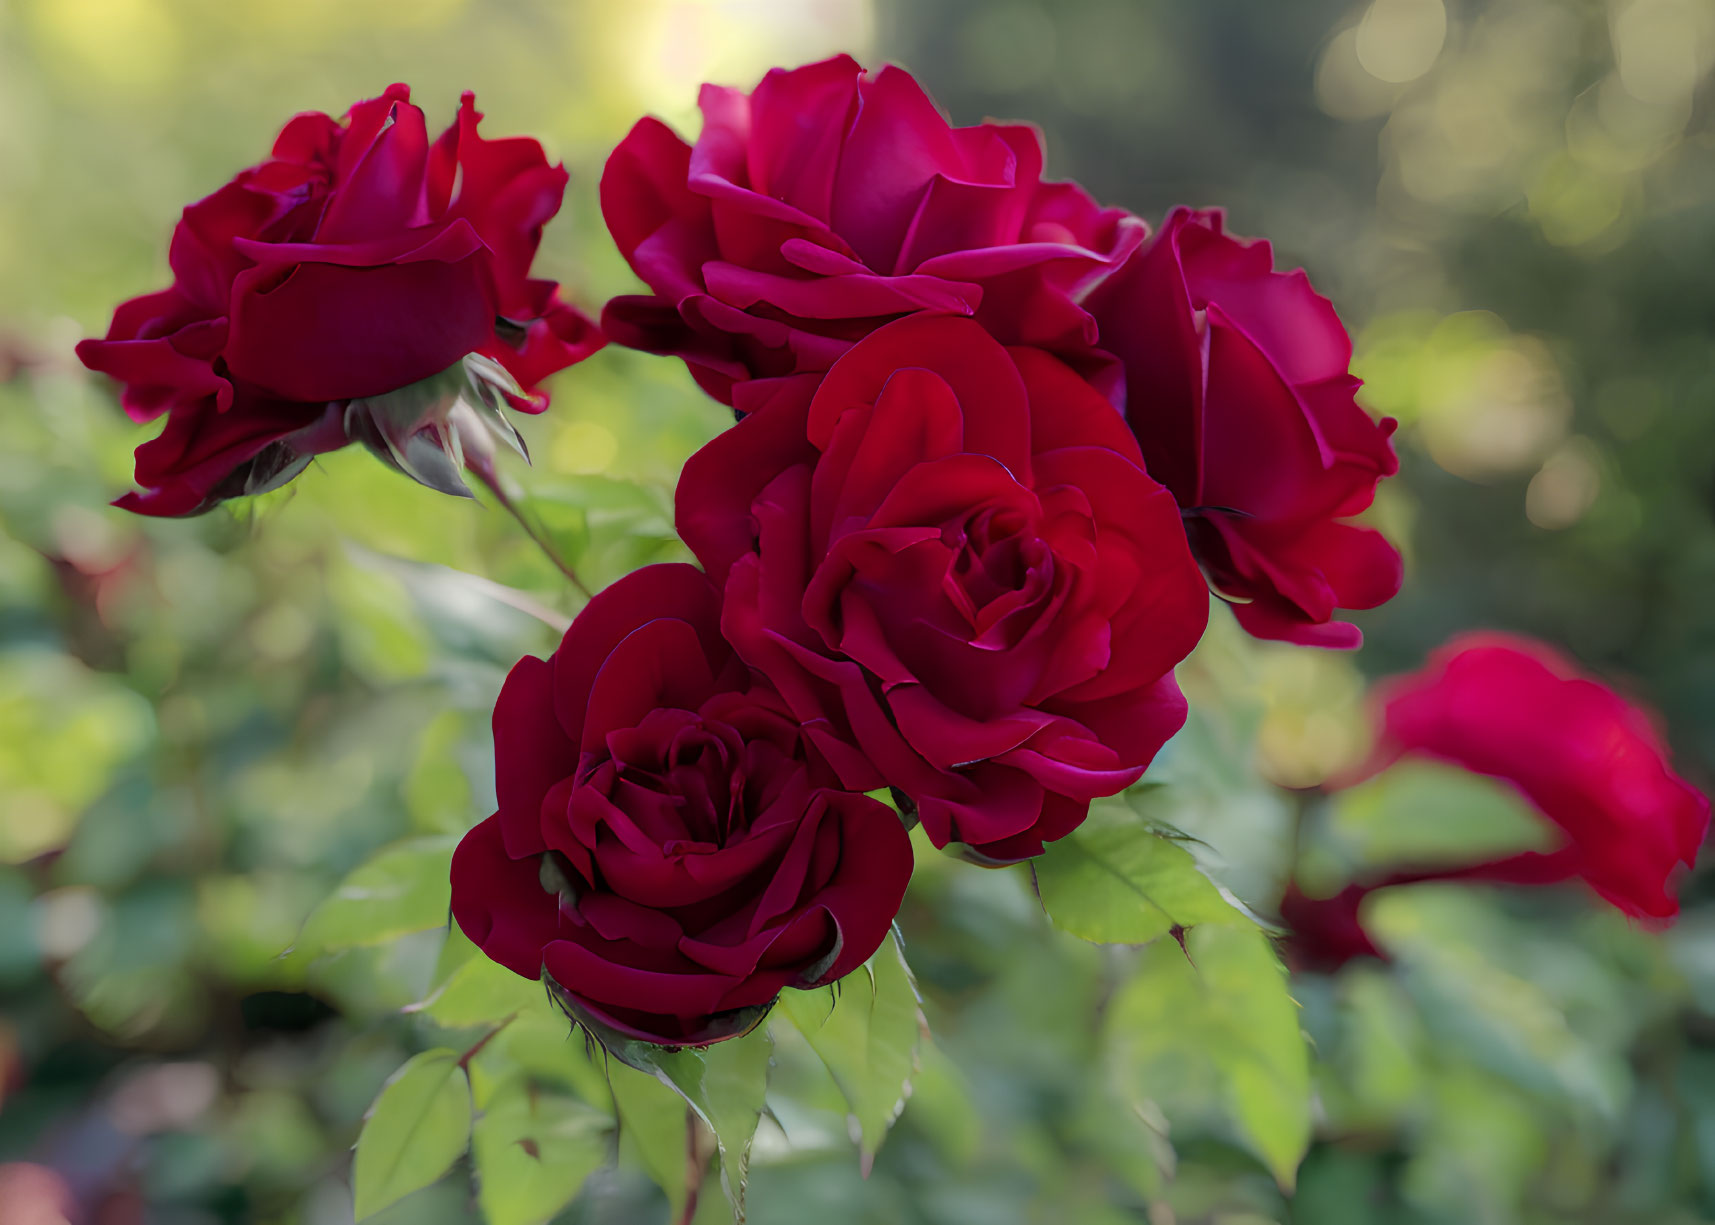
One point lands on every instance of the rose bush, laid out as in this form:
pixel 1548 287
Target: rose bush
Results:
pixel 358 259
pixel 947 557
pixel 1237 385
pixel 828 201
pixel 670 848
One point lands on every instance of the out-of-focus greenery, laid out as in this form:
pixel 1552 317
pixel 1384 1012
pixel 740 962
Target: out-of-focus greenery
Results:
pixel 208 724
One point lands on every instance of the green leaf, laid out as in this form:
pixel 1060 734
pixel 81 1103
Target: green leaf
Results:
pixel 533 1151
pixel 652 1127
pixel 726 1085
pixel 470 617
pixel 866 1029
pixel 1114 881
pixel 606 526
pixel 539 1042
pixel 1209 1034
pixel 1452 948
pixel 480 992
pixel 1427 813
pixel 413 1133
pixel 403 888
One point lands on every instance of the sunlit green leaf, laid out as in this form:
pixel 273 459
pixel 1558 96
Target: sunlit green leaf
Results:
pixel 416 1129
pixel 533 1151
pixel 478 992
pixel 1115 881
pixel 469 616
pixel 607 526
pixel 653 1126
pixel 403 888
pixel 1210 1034
pixel 726 1084
pixel 866 1029
pixel 1424 813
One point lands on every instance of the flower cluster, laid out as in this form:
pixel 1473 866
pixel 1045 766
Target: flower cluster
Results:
pixel 994 446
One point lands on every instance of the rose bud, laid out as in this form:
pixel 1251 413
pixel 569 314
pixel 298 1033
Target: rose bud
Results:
pixel 1591 764
pixel 828 201
pixel 948 559
pixel 671 849
pixel 359 260
pixel 1237 386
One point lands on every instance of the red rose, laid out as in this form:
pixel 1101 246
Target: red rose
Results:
pixel 948 559
pixel 1590 762
pixel 827 202
pixel 358 259
pixel 670 849
pixel 1236 384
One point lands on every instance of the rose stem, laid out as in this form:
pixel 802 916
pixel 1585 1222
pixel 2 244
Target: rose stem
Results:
pixel 484 469
pixel 697 1156
pixel 476 1047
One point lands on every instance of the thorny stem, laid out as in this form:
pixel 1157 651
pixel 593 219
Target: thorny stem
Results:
pixel 475 1048
pixel 483 468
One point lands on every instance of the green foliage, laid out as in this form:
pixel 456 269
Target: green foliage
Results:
pixel 532 1152
pixel 414 1132
pixel 63 731
pixel 726 1085
pixel 653 1124
pixel 866 1029
pixel 610 527
pixel 402 889
pixel 1453 962
pixel 1113 880
pixel 1209 1031
pixel 1422 813
pixel 471 990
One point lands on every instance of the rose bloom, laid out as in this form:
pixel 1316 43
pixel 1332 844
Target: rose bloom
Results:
pixel 948 559
pixel 1589 761
pixel 1592 764
pixel 828 201
pixel 1236 383
pixel 670 848
pixel 358 259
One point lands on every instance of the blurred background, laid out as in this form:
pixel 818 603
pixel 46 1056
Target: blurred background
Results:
pixel 204 724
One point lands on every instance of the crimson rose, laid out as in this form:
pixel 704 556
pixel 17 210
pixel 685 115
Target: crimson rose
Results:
pixel 827 202
pixel 947 557
pixel 1236 383
pixel 1590 762
pixel 670 850
pixel 358 259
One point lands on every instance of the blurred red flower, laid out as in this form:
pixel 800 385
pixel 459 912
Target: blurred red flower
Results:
pixel 1590 762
